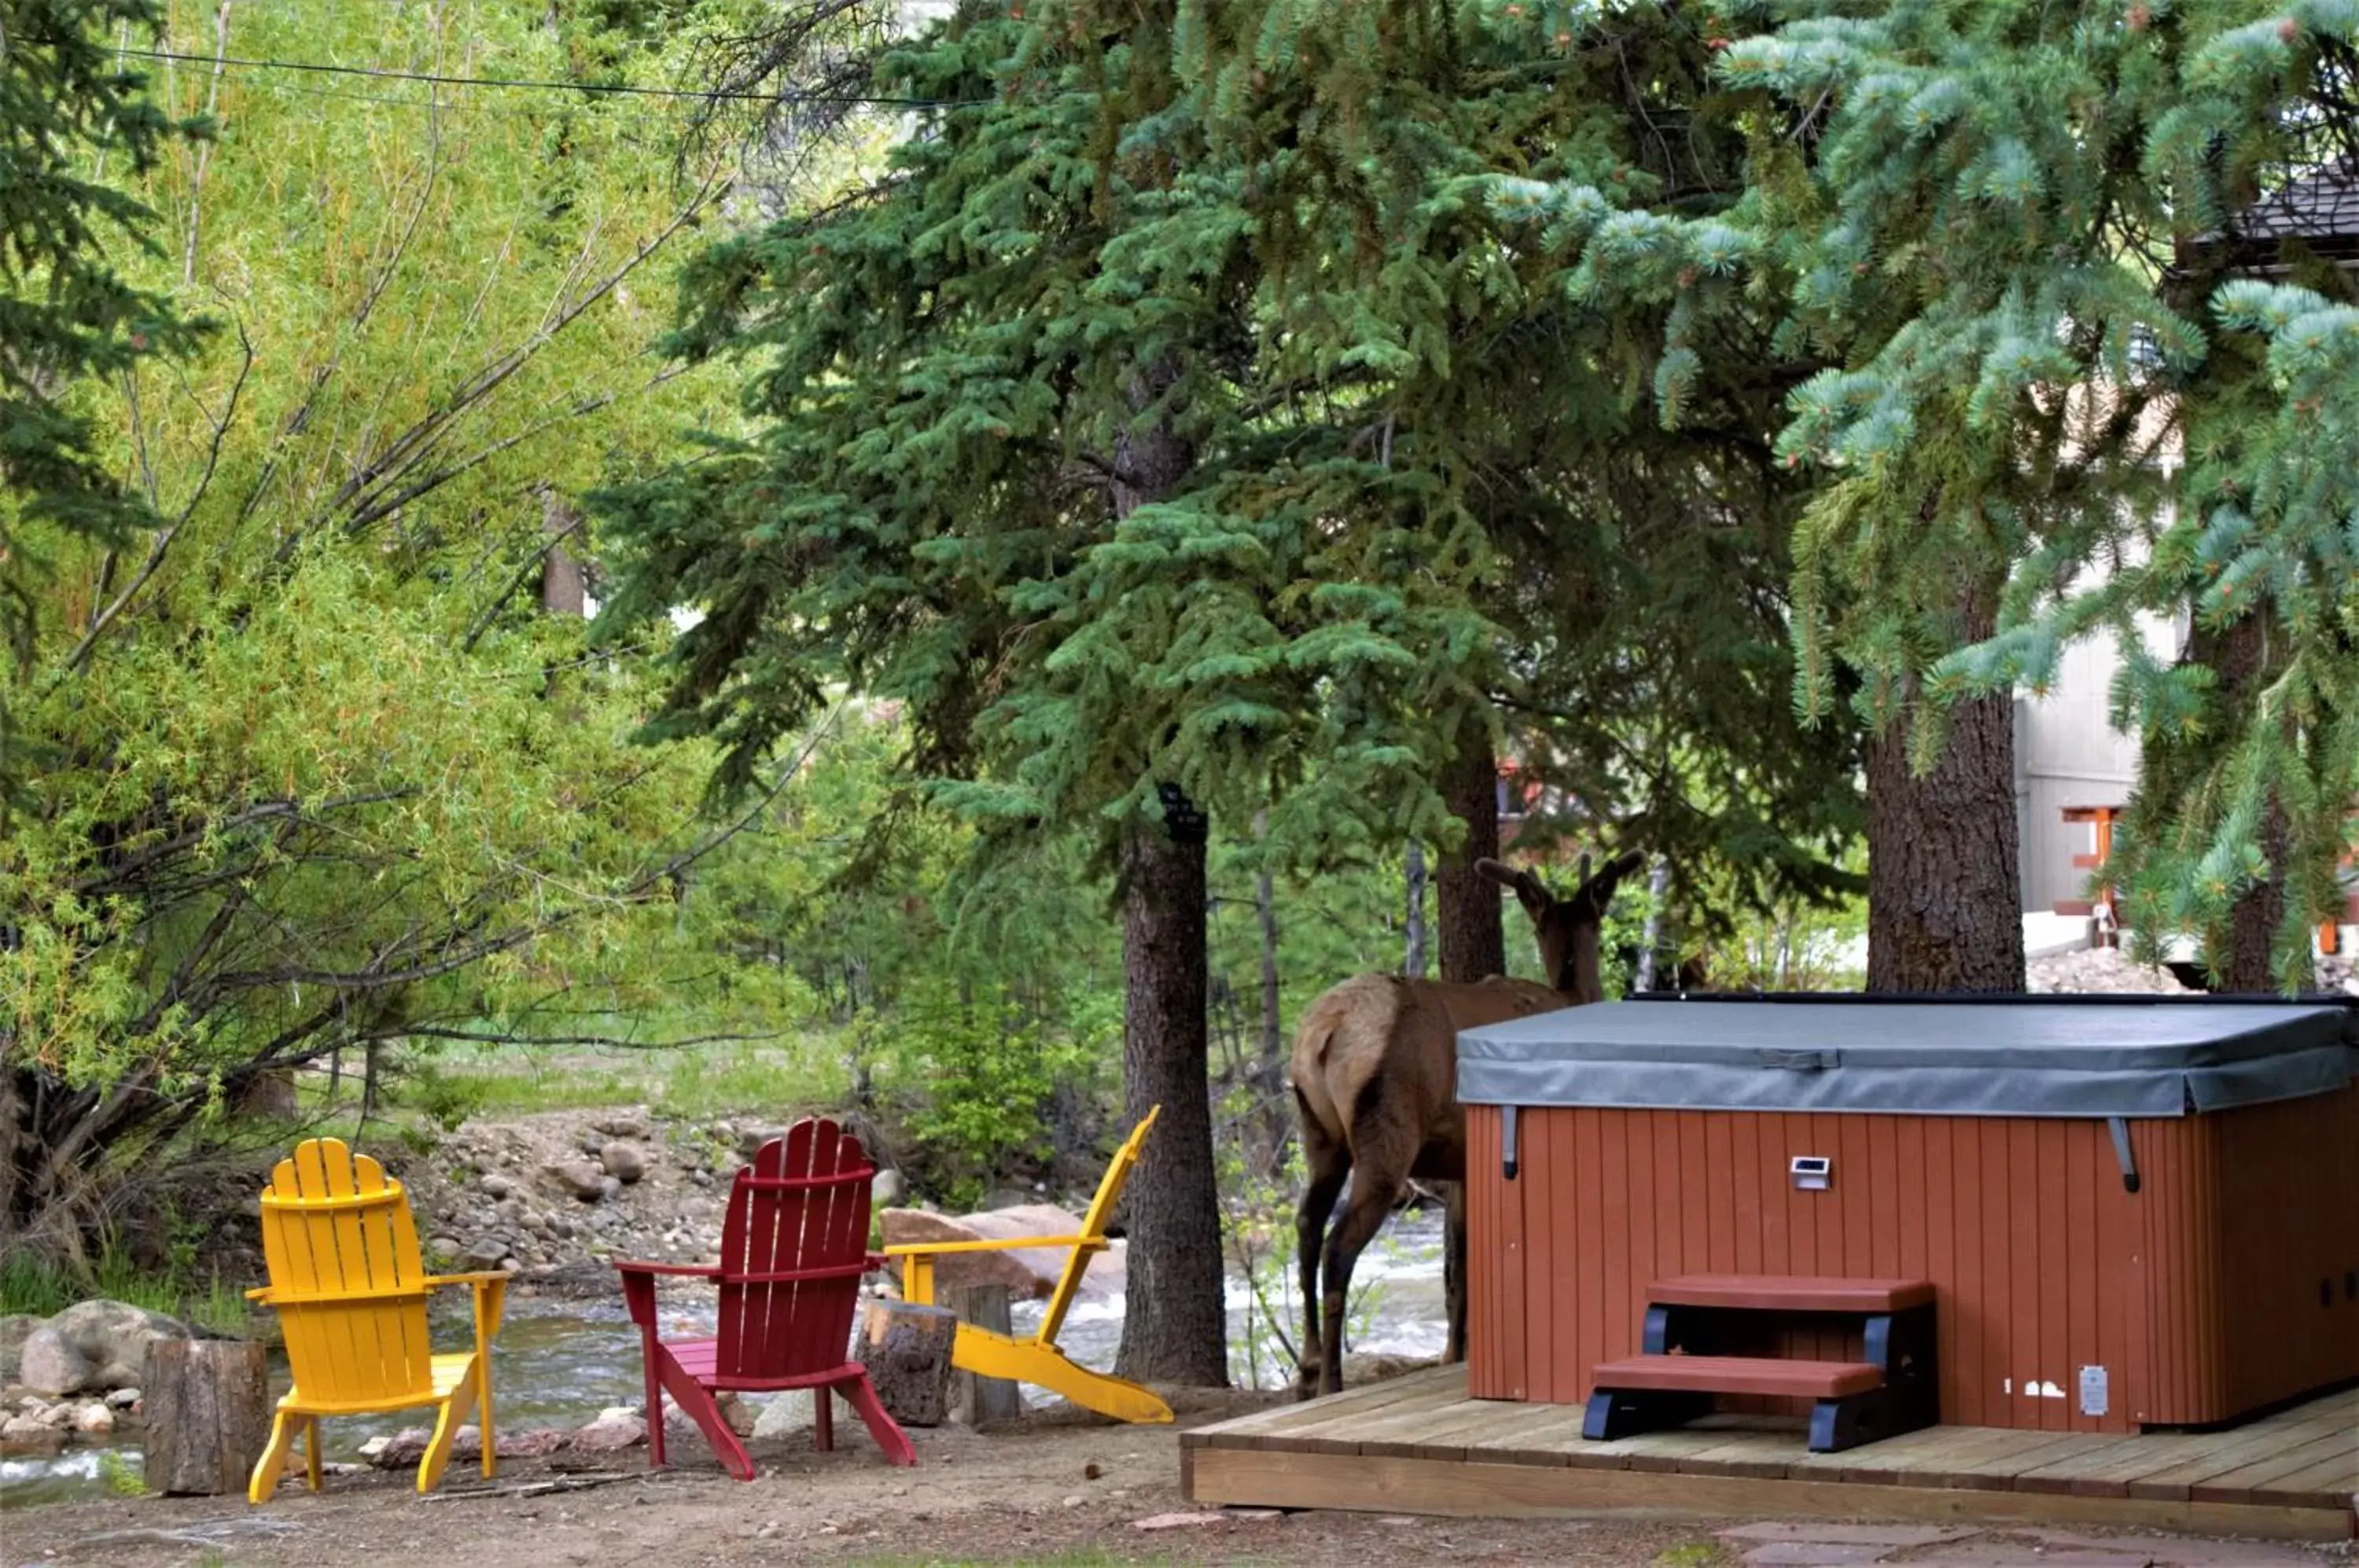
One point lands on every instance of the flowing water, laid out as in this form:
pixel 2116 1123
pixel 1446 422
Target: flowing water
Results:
pixel 557 1363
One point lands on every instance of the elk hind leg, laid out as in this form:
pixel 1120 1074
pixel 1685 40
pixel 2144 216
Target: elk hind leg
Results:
pixel 1374 1196
pixel 1453 1269
pixel 1328 1161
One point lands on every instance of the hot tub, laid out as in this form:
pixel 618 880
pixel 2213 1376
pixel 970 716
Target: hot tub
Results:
pixel 2133 1212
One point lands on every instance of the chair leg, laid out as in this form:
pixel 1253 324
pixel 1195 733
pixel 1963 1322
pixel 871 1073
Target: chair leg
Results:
pixel 431 1464
pixel 272 1463
pixel 881 1425
pixel 650 1349
pixel 697 1400
pixel 823 1420
pixel 483 1420
pixel 311 1451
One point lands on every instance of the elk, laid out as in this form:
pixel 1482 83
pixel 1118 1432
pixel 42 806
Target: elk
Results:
pixel 1374 1071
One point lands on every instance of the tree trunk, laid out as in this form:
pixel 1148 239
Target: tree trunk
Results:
pixel 1175 1328
pixel 563 589
pixel 208 1409
pixel 1413 961
pixel 976 1401
pixel 906 1350
pixel 1658 877
pixel 1471 944
pixel 1945 882
pixel 2240 656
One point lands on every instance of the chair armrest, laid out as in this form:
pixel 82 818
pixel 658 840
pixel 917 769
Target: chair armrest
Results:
pixel 1008 1243
pixel 478 1279
pixel 639 1285
pixel 688 1271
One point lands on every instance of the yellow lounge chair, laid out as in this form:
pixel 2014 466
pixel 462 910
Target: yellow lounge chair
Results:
pixel 1038 1360
pixel 350 1292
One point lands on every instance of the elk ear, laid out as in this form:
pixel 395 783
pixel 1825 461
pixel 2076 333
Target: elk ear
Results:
pixel 1529 890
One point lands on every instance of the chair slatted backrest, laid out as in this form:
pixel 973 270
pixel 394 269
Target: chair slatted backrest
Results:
pixel 1093 1225
pixel 801 1208
pixel 346 1279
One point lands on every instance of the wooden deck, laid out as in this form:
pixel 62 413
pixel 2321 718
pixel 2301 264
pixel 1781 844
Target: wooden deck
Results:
pixel 1417 1444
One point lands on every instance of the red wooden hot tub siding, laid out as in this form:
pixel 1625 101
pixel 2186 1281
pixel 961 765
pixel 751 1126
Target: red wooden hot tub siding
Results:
pixel 2199 1294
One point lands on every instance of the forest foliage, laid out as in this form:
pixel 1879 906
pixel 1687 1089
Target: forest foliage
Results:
pixel 1066 419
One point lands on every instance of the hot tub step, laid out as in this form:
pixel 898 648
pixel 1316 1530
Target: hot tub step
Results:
pixel 1792 1293
pixel 1741 1374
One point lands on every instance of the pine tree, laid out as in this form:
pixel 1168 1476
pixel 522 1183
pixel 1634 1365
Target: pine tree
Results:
pixel 69 109
pixel 2008 220
pixel 1508 361
pixel 1026 461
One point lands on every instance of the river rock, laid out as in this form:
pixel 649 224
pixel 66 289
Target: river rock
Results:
pixel 93 1421
pixel 22 1437
pixel 15 1330
pixel 624 1161
pixel 886 1188
pixel 1027 1272
pixel 537 1443
pixel 486 1253
pixel 784 1415
pixel 610 1187
pixel 750 1139
pixel 496 1186
pixel 610 1433
pixel 629 1122
pixel 93 1345
pixel 575 1178
pixel 125 1398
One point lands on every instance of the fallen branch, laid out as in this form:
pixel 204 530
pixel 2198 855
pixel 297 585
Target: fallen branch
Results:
pixel 539 1488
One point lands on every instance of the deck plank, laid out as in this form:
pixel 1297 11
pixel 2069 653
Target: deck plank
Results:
pixel 1285 1479
pixel 1421 1444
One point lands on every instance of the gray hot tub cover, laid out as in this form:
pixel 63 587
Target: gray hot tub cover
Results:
pixel 2155 1059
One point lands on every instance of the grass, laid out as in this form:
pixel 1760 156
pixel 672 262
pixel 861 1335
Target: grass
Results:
pixel 43 1289
pixel 693 1082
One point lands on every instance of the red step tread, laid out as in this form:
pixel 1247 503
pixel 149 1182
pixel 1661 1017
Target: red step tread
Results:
pixel 1740 1375
pixel 1790 1293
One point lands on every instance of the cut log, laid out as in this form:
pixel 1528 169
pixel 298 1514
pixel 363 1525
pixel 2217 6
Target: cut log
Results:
pixel 979 1402
pixel 208 1409
pixel 906 1350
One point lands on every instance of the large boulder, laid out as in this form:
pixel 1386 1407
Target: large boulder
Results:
pixel 15 1330
pixel 1029 1272
pixel 93 1345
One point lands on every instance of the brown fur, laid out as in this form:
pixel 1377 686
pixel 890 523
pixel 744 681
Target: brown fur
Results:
pixel 1375 1087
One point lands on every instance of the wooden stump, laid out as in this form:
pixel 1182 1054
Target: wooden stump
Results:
pixel 208 1408
pixel 906 1350
pixel 979 1401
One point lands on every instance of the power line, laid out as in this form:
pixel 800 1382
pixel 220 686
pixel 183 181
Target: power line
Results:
pixel 382 73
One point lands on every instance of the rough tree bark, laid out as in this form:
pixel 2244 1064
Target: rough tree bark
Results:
pixel 2240 655
pixel 1945 882
pixel 208 1404
pixel 1413 961
pixel 1472 946
pixel 563 591
pixel 1176 1329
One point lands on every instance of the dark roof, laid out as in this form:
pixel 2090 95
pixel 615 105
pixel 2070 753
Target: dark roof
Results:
pixel 2320 212
pixel 2325 205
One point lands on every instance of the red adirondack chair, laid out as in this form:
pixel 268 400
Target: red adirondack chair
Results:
pixel 793 1248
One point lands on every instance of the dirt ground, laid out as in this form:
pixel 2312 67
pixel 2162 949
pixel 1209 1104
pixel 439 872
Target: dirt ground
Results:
pixel 1050 1490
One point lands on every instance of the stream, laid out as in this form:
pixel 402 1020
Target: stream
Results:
pixel 557 1363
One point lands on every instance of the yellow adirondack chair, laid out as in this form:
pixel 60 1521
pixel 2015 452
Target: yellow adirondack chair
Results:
pixel 1038 1360
pixel 350 1291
